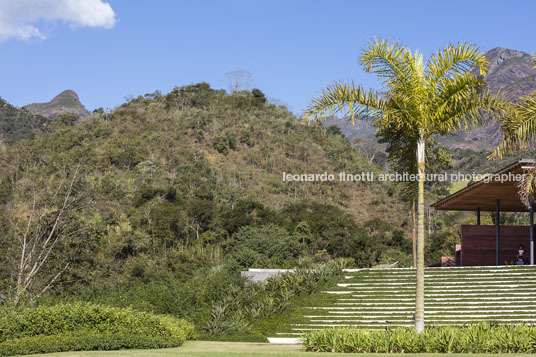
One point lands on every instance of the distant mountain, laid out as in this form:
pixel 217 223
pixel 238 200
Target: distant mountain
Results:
pixel 17 123
pixel 514 74
pixel 512 71
pixel 362 129
pixel 65 102
pixel 509 70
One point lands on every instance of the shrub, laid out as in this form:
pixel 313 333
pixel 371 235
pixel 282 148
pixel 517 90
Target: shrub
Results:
pixel 224 142
pixel 243 304
pixel 265 246
pixel 258 97
pixel 480 338
pixel 245 138
pixel 191 299
pixel 66 318
pixel 84 342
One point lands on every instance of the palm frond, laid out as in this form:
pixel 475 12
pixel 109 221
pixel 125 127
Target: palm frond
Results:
pixel 347 98
pixel 453 60
pixel 452 91
pixel 401 114
pixel 387 60
pixel 472 107
pixel 519 128
pixel 527 186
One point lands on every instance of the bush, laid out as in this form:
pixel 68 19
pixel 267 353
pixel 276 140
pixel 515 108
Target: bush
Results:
pixel 91 318
pixel 267 246
pixel 244 304
pixel 84 342
pixel 245 138
pixel 224 142
pixel 481 338
pixel 258 97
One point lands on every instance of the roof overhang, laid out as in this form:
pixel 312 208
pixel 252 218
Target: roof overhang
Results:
pixel 484 194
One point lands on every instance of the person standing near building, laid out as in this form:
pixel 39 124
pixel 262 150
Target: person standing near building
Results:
pixel 520 255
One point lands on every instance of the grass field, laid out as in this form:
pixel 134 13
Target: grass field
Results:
pixel 225 349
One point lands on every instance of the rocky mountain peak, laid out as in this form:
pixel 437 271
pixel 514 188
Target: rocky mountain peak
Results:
pixel 499 55
pixel 512 71
pixel 66 97
pixel 65 102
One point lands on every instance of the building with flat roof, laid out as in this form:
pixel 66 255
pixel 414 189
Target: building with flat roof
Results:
pixel 498 192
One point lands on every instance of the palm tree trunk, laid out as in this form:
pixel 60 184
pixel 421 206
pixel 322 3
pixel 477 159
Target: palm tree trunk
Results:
pixel 414 233
pixel 419 296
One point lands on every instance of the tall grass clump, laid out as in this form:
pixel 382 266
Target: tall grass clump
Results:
pixel 479 338
pixel 243 304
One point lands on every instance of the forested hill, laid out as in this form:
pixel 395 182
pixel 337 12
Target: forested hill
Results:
pixel 170 182
pixel 16 124
pixel 235 146
pixel 19 123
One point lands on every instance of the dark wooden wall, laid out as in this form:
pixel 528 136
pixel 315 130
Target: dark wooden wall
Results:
pixel 478 244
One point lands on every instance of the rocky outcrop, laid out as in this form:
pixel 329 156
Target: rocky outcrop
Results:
pixel 65 102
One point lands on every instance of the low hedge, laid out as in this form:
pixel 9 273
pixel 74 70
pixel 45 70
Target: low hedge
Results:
pixel 82 326
pixel 84 342
pixel 65 318
pixel 480 338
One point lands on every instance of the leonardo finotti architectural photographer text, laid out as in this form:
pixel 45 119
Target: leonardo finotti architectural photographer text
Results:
pixel 370 176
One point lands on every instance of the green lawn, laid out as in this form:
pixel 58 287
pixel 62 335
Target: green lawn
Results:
pixel 224 349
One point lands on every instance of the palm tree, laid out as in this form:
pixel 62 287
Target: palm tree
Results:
pixel 519 132
pixel 417 102
pixel 402 159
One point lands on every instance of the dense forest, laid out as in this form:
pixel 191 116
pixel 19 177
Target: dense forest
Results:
pixel 16 124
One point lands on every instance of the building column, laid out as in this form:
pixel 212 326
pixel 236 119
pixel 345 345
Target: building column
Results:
pixel 497 232
pixel 478 216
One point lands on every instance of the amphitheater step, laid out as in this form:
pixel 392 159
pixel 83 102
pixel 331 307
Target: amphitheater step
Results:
pixel 383 298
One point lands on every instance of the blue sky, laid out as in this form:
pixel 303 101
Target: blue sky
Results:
pixel 292 48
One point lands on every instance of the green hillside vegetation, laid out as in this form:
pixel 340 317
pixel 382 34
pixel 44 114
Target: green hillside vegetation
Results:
pixel 17 124
pixel 159 204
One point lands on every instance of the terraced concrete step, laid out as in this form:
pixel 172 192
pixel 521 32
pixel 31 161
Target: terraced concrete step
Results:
pixel 377 299
pixel 430 321
pixel 512 274
pixel 395 314
pixel 434 283
pixel 430 307
pixel 406 293
pixel 451 297
pixel 531 287
pixel 352 293
pixel 285 340
pixel 446 269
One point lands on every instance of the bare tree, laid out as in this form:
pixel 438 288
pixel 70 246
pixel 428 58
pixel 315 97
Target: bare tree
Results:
pixel 239 80
pixel 38 228
pixel 368 148
pixel 193 225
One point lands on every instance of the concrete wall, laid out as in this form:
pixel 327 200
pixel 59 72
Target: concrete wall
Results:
pixel 263 274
